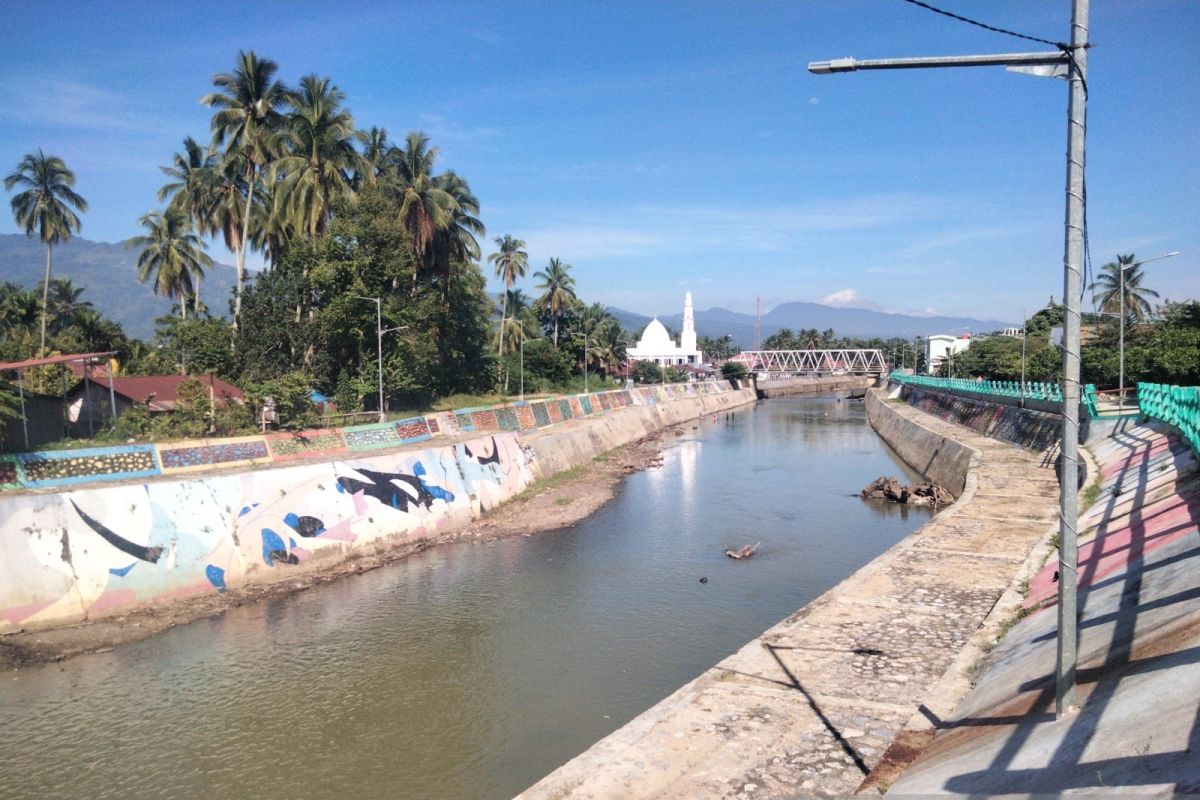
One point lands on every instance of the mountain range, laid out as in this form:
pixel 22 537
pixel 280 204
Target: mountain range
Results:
pixel 108 273
pixel 862 323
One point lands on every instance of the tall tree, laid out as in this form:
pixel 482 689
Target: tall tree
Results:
pixel 45 206
pixel 173 254
pixel 63 302
pixel 191 185
pixel 1109 283
pixel 510 261
pixel 558 291
pixel 457 242
pixel 425 207
pixel 320 159
pixel 248 103
pixel 375 147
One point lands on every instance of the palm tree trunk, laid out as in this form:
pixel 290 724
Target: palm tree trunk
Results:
pixel 244 240
pixel 45 299
pixel 556 331
pixel 503 317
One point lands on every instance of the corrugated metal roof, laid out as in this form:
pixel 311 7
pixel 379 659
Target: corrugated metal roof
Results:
pixel 59 359
pixel 160 392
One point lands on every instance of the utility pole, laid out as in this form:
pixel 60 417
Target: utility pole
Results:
pixel 1024 327
pixel 1072 58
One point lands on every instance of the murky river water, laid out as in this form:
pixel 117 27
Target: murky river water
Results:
pixel 470 671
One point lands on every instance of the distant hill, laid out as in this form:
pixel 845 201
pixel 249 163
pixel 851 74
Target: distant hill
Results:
pixel 108 272
pixel 857 322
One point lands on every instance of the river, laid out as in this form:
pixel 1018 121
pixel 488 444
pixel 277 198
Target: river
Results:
pixel 472 670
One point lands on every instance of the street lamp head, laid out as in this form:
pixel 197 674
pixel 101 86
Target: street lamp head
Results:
pixel 834 65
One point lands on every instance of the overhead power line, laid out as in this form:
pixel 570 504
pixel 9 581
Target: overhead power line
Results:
pixel 976 23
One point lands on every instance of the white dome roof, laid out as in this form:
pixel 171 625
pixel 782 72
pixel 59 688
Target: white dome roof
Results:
pixel 655 339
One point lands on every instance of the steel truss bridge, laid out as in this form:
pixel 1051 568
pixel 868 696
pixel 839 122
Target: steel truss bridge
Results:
pixel 819 362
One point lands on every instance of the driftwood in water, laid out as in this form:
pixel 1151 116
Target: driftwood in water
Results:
pixel 745 552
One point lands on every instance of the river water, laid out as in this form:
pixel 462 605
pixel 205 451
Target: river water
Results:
pixel 472 670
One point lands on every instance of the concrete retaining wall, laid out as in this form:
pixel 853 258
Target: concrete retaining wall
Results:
pixel 938 458
pixel 1024 427
pixel 778 387
pixel 80 553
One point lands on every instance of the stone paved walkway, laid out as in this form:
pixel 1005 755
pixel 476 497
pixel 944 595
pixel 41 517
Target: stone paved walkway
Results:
pixel 812 704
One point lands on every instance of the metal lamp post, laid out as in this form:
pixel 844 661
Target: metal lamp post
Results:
pixel 1069 61
pixel 1122 270
pixel 379 332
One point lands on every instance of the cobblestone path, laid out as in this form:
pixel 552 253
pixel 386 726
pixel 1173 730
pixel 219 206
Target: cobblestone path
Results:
pixel 810 706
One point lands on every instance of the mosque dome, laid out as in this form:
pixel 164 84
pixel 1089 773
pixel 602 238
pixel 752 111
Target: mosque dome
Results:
pixel 655 339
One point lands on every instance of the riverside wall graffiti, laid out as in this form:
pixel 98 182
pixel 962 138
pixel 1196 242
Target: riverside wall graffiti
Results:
pixel 82 553
pixel 1024 427
pixel 87 549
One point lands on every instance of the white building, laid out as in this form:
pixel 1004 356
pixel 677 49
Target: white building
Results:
pixel 657 345
pixel 939 347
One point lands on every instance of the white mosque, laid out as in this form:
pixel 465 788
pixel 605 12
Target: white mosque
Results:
pixel 657 345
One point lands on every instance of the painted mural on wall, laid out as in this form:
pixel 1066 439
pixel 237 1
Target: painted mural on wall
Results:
pixel 1024 427
pixel 79 554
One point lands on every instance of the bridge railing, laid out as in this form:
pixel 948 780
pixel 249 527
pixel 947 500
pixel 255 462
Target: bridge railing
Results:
pixel 1178 406
pixel 866 362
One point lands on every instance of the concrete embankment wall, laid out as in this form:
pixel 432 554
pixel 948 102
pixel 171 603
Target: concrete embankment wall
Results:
pixel 1030 428
pixel 81 553
pixel 938 458
pixel 778 387
pixel 809 707
pixel 1139 636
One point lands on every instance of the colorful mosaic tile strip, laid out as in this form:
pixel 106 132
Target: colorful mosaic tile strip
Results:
pixel 485 421
pixel 370 437
pixel 576 406
pixel 541 414
pixel 464 422
pixel 506 418
pixel 202 455
pixel 525 417
pixel 564 408
pixel 431 425
pixel 76 466
pixel 555 411
pixel 416 429
pixel 585 403
pixel 9 477
pixel 309 444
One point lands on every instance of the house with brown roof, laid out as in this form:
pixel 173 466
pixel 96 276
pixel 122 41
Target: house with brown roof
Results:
pixel 89 403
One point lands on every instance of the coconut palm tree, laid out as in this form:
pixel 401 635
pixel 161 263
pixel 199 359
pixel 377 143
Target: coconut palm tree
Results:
pixel 173 254
pixel 375 147
pixel 321 161
pixel 248 103
pixel 425 207
pixel 559 290
pixel 191 185
pixel 45 206
pixel 1109 283
pixel 510 261
pixel 457 242
pixel 63 303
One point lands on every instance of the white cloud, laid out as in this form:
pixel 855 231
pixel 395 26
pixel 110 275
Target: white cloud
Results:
pixel 56 103
pixel 844 298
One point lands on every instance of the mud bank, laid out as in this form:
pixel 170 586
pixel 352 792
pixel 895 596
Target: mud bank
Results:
pixel 812 705
pixel 142 558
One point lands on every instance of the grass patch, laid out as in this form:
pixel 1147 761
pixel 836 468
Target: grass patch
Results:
pixel 563 501
pixel 1092 493
pixel 548 484
pixel 1056 540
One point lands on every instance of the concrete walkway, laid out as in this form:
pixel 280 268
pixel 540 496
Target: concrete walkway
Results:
pixel 1138 729
pixel 812 704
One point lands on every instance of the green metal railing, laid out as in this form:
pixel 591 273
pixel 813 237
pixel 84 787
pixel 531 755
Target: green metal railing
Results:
pixel 1178 406
pixel 1034 390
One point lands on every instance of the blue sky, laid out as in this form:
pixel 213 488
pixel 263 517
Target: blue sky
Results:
pixel 664 146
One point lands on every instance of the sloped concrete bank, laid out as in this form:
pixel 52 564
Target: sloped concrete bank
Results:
pixel 778 387
pixel 99 551
pixel 811 705
pixel 1138 727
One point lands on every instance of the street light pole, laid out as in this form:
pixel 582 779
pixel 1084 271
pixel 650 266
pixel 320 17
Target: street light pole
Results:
pixel 379 332
pixel 1122 269
pixel 1074 58
pixel 1024 327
